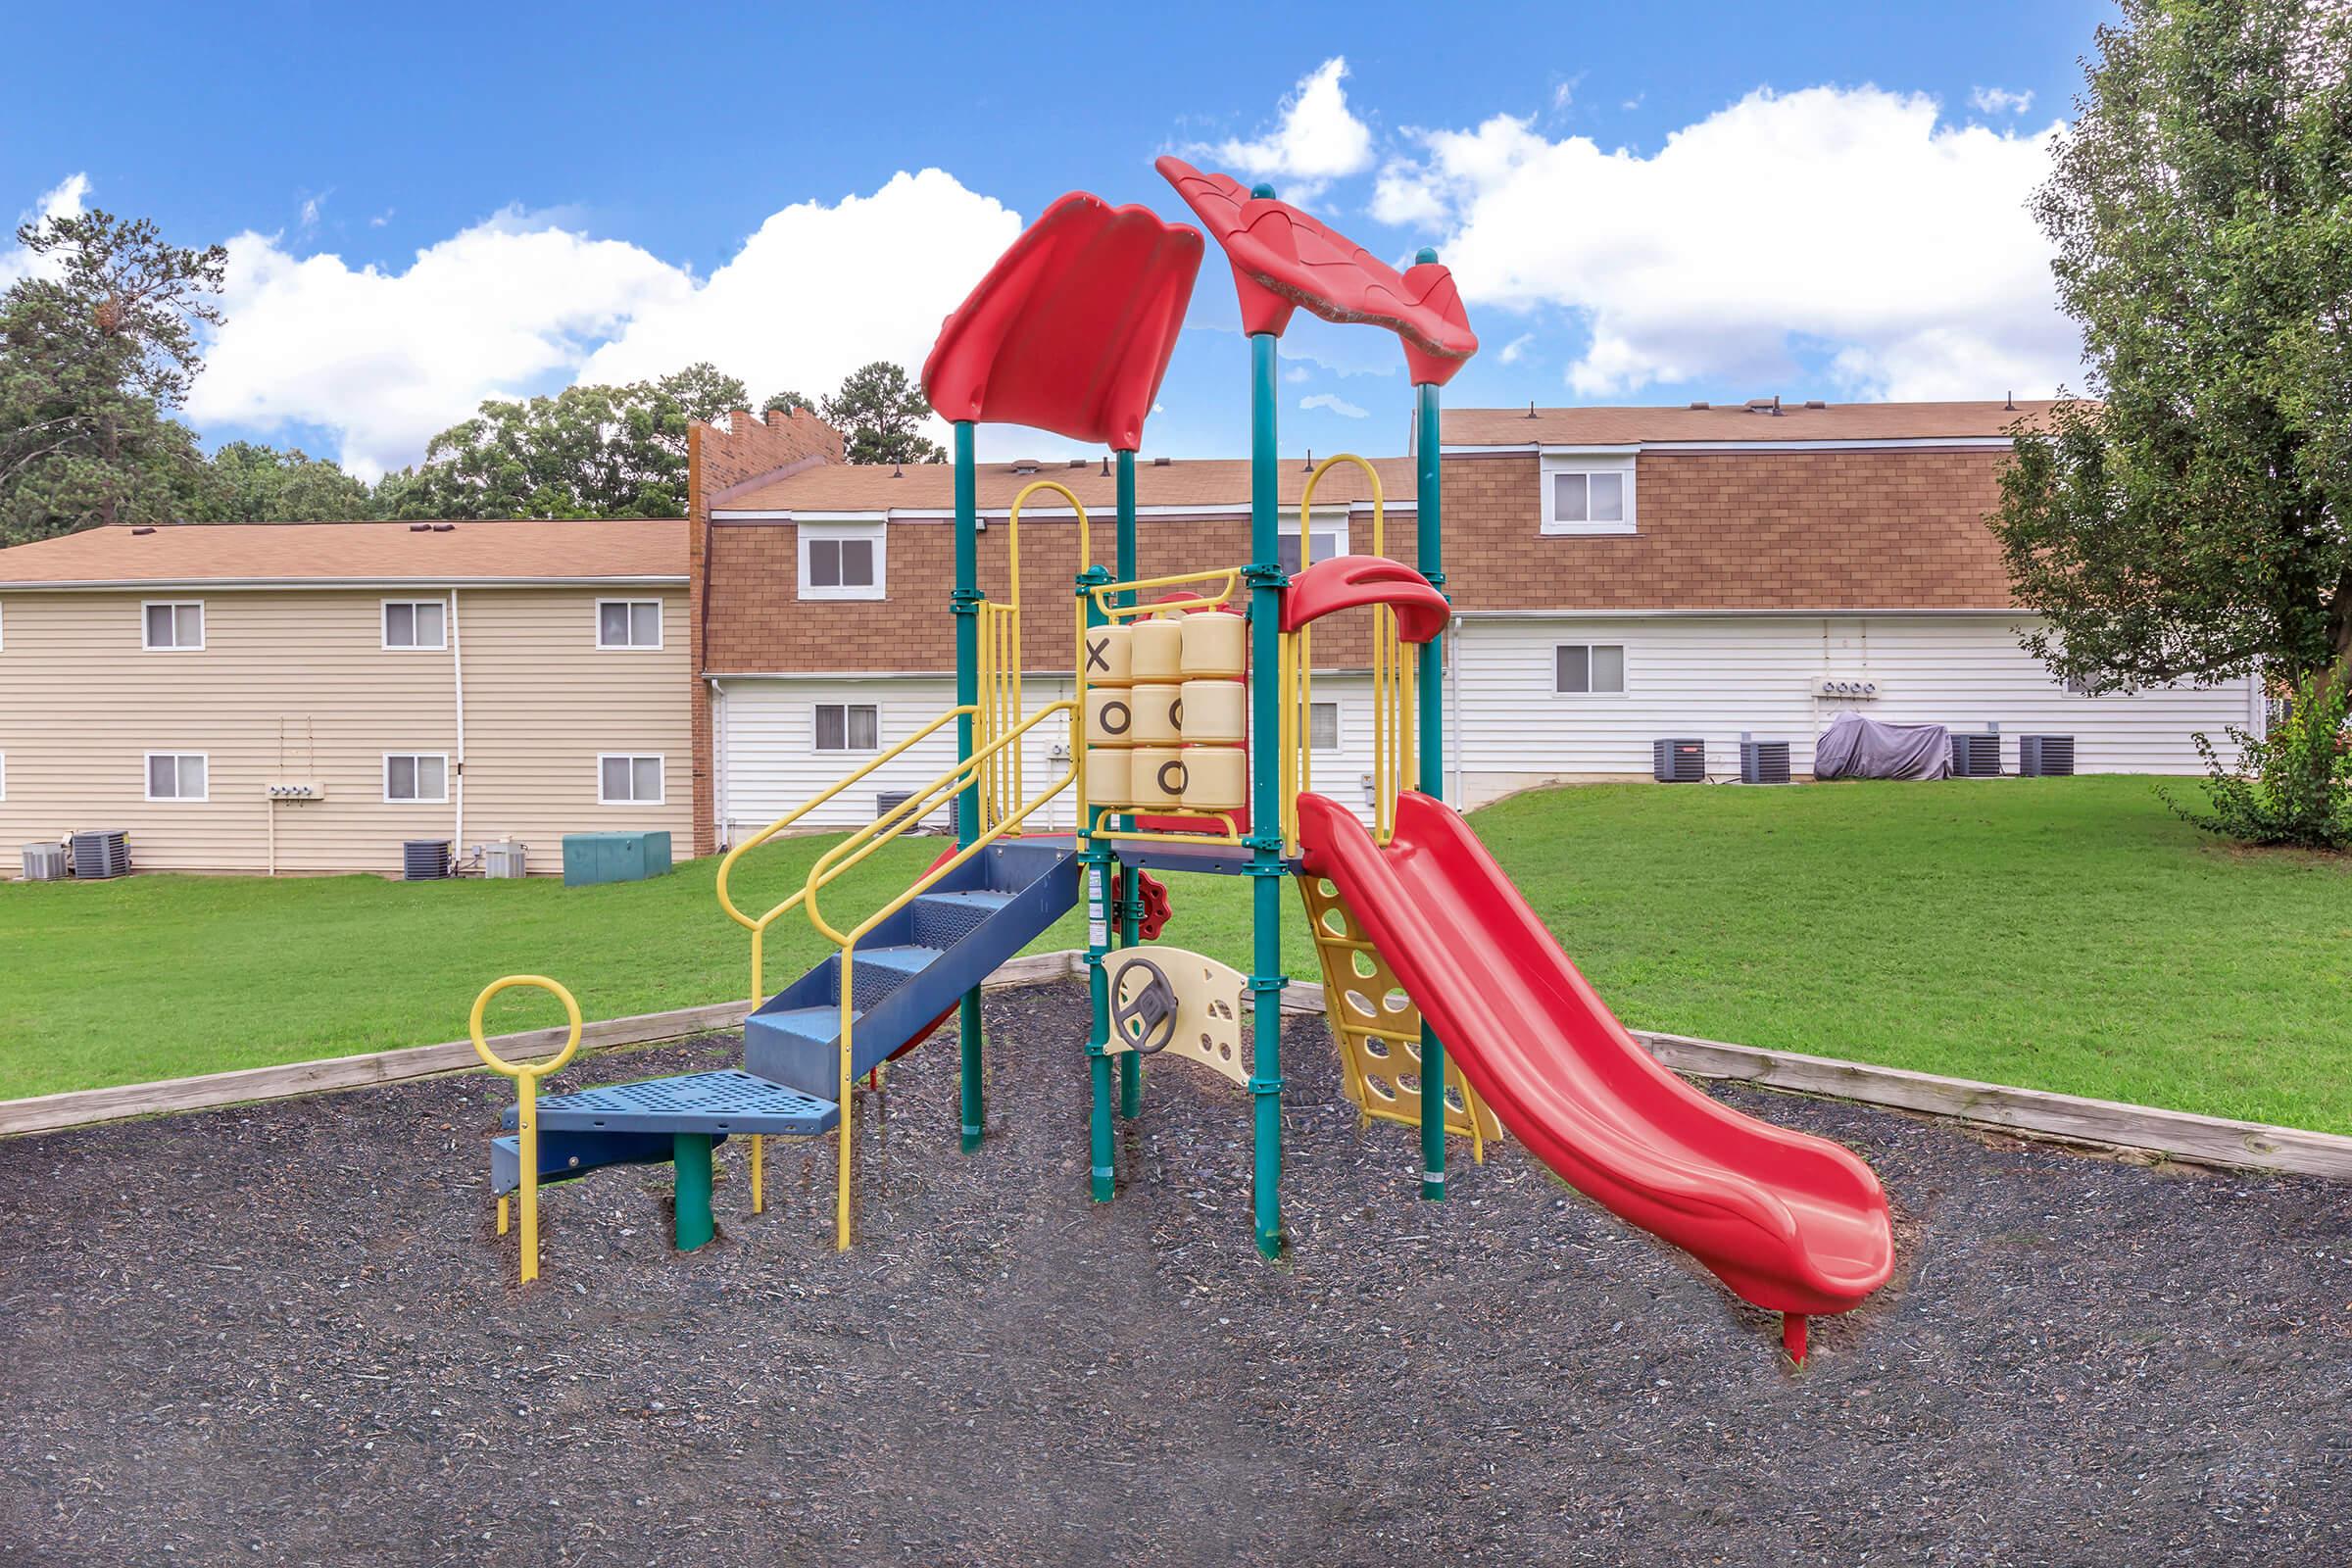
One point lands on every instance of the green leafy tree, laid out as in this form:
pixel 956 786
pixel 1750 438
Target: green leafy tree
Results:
pixel 2195 522
pixel 880 413
pixel 585 452
pixel 95 347
pixel 249 482
pixel 788 401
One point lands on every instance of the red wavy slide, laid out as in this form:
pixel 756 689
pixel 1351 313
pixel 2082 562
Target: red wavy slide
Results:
pixel 1795 1224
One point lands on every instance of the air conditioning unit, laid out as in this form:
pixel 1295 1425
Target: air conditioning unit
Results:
pixel 424 859
pixel 506 858
pixel 888 801
pixel 1679 762
pixel 2046 755
pixel 297 790
pixel 1850 688
pixel 101 854
pixel 1763 761
pixel 44 862
pixel 1976 755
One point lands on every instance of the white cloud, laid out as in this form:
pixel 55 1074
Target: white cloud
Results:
pixel 1296 373
pixel 521 304
pixel 66 199
pixel 1845 223
pixel 1316 140
pixel 2001 101
pixel 1407 195
pixel 1336 403
pixel 1516 349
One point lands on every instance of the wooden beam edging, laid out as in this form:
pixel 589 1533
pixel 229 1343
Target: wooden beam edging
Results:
pixel 79 1108
pixel 2039 1112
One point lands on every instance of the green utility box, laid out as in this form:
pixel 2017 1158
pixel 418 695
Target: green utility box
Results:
pixel 592 858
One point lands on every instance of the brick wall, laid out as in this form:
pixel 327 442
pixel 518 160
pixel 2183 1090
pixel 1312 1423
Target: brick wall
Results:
pixel 1747 530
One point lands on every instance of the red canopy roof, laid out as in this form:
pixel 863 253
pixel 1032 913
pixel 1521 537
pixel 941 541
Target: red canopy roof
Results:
pixel 1071 331
pixel 1283 259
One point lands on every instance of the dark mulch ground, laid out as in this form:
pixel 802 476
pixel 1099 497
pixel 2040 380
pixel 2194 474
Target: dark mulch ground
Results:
pixel 283 1335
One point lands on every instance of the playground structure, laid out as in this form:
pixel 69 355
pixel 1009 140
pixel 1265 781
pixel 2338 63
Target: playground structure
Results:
pixel 1453 1008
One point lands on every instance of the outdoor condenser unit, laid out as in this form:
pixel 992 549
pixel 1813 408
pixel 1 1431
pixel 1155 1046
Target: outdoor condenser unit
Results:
pixel 1976 755
pixel 506 858
pixel 1763 761
pixel 1679 762
pixel 2046 755
pixel 424 859
pixel 44 862
pixel 101 854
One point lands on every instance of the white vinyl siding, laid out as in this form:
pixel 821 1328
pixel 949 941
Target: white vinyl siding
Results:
pixel 415 623
pixel 415 778
pixel 629 781
pixel 178 776
pixel 843 561
pixel 628 624
pixel 175 626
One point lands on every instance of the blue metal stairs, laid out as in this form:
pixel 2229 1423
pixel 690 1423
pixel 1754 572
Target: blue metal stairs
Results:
pixel 910 969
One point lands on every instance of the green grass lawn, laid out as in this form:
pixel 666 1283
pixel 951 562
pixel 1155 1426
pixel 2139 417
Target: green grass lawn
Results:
pixel 2065 934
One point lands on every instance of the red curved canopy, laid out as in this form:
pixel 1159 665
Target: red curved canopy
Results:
pixel 1283 258
pixel 1071 331
pixel 1343 582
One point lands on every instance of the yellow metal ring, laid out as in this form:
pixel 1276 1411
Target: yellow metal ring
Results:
pixel 491 1060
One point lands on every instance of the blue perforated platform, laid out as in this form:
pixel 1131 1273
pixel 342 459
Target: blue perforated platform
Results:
pixel 728 1101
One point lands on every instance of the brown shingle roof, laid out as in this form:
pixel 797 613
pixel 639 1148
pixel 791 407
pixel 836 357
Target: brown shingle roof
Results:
pixel 1213 484
pixel 507 550
pixel 1732 421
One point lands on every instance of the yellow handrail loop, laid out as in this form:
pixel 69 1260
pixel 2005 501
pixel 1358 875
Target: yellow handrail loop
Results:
pixel 527 1076
pixel 1393 678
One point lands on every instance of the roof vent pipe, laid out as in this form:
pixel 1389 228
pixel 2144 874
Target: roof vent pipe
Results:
pixel 1531 408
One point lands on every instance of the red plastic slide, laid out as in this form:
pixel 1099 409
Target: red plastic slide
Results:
pixel 1792 1223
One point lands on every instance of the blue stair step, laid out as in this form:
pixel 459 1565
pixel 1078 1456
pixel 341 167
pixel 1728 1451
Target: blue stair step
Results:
pixel 882 970
pixel 565 1155
pixel 727 1100
pixel 943 920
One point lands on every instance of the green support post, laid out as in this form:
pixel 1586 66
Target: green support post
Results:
pixel 1428 529
pixel 1266 872
pixel 1131 1064
pixel 1102 925
pixel 690 1155
pixel 967 605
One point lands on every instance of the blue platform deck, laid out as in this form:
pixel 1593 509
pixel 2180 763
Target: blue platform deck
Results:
pixel 728 1101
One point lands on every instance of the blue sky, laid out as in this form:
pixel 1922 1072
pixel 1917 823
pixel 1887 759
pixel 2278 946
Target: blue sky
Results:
pixel 431 204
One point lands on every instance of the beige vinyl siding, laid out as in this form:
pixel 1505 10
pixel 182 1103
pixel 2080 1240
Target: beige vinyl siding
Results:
pixel 295 685
pixel 542 702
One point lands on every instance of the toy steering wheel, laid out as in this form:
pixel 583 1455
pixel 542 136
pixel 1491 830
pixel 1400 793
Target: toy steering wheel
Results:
pixel 1145 1020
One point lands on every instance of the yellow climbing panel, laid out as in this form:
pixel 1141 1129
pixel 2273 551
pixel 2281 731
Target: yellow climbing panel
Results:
pixel 1377 1029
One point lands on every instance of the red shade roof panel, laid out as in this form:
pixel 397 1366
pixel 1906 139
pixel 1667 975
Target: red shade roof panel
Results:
pixel 1071 331
pixel 1283 258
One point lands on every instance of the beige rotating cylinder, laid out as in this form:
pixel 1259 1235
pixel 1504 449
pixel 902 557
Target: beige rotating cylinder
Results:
pixel 1110 715
pixel 1156 649
pixel 1215 712
pixel 1158 779
pixel 1216 778
pixel 1110 775
pixel 1215 643
pixel 1159 712
pixel 1110 654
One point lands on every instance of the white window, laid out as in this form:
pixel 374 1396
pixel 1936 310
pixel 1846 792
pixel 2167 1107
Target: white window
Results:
pixel 841 560
pixel 1329 539
pixel 1588 494
pixel 1588 669
pixel 3 776
pixel 175 625
pixel 417 777
pixel 628 624
pixel 849 727
pixel 415 623
pixel 175 775
pixel 628 781
pixel 1323 726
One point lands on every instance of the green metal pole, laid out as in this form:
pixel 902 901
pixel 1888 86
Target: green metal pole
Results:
pixel 1266 869
pixel 967 605
pixel 1131 1064
pixel 1427 530
pixel 1102 924
pixel 690 1156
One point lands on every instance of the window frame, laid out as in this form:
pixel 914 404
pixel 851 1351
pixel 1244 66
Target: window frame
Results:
pixel 1333 704
pixel 660 759
pixel 661 626
pixel 1554 465
pixel 820 529
pixel 147 778
pixel 1333 520
pixel 816 742
pixel 391 798
pixel 1625 671
pixel 412 606
pixel 203 629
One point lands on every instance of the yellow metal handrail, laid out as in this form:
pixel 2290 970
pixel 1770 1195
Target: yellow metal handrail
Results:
pixel 1393 676
pixel 527 1076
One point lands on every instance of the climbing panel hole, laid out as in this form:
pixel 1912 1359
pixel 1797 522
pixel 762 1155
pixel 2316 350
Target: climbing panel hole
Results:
pixel 1335 922
pixel 1362 1004
pixel 1325 886
pixel 1397 1000
pixel 1221 1009
pixel 1378 1049
pixel 1224 1050
pixel 1409 1082
pixel 1375 1085
pixel 1366 968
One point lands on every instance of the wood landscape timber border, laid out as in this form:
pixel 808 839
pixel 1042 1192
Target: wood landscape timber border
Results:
pixel 2036 1112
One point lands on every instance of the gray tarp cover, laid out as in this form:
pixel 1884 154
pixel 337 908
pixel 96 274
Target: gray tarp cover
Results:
pixel 1854 746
